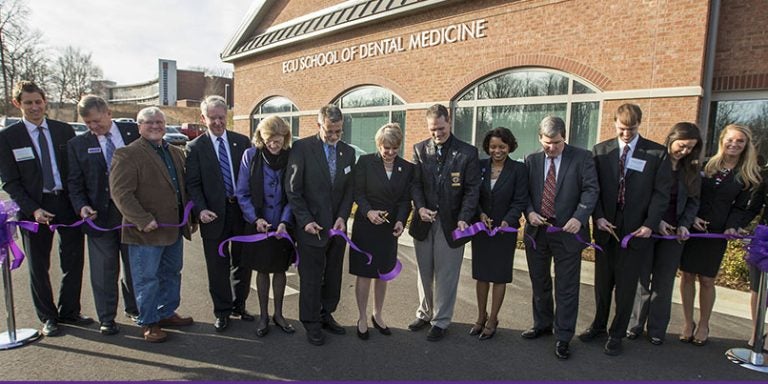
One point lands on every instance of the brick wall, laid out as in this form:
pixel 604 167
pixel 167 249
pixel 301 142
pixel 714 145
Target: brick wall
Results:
pixel 742 46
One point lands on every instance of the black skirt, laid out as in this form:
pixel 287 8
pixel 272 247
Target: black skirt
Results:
pixel 493 257
pixel 376 240
pixel 268 256
pixel 703 256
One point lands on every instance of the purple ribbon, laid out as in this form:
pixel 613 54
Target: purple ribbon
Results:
pixel 8 228
pixel 479 226
pixel 87 220
pixel 553 229
pixel 387 276
pixel 625 240
pixel 757 250
pixel 260 237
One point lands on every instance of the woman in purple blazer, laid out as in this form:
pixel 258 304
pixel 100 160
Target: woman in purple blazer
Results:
pixel 265 208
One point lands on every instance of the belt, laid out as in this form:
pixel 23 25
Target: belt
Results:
pixel 57 192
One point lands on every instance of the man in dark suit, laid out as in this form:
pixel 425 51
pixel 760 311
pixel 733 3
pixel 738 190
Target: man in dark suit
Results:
pixel 563 191
pixel 212 171
pixel 90 156
pixel 33 170
pixel 635 178
pixel 445 197
pixel 318 184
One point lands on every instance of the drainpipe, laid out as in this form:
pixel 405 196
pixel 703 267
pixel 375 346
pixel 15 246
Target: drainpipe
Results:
pixel 709 68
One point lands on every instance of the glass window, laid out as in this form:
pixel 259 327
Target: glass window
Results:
pixel 751 113
pixel 280 106
pixel 366 109
pixel 519 100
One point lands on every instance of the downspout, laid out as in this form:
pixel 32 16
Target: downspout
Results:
pixel 709 68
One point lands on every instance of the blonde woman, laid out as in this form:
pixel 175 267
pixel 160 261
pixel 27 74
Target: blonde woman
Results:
pixel 727 183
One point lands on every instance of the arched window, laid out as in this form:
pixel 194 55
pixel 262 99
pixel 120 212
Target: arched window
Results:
pixel 519 99
pixel 280 106
pixel 366 109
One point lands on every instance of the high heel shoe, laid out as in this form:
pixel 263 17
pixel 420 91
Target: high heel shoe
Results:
pixel 383 330
pixel 701 342
pixel 485 335
pixel 688 339
pixel 362 335
pixel 478 327
pixel 263 331
pixel 287 328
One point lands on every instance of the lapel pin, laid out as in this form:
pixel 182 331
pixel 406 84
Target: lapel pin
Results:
pixel 399 169
pixel 234 144
pixel 128 134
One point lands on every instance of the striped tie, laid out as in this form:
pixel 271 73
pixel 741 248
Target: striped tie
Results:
pixel 226 173
pixel 110 149
pixel 622 176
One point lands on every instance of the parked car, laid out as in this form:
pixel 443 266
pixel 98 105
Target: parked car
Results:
pixel 80 128
pixel 125 120
pixel 174 136
pixel 8 121
pixel 193 130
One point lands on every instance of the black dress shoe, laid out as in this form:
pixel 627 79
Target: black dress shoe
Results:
pixel 418 325
pixel 362 335
pixel 534 333
pixel 263 331
pixel 243 314
pixel 332 326
pixel 221 323
pixel 656 340
pixel 435 333
pixel 50 328
pixel 109 328
pixel 613 346
pixel 78 319
pixel 287 328
pixel 591 334
pixel 383 330
pixel 562 350
pixel 315 337
pixel 633 334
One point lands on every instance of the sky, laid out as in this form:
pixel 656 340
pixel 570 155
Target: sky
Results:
pixel 127 37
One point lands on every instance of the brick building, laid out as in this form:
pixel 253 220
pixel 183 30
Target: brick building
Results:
pixel 503 63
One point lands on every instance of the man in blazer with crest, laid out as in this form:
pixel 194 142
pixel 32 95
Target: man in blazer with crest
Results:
pixel 319 187
pixel 635 178
pixel 566 202
pixel 212 172
pixel 445 196
pixel 33 170
pixel 90 157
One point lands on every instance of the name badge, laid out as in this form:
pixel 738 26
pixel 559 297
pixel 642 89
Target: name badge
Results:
pixel 22 154
pixel 348 169
pixel 636 164
pixel 455 178
pixel 94 150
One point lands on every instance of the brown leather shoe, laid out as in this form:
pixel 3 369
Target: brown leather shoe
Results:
pixel 153 334
pixel 176 321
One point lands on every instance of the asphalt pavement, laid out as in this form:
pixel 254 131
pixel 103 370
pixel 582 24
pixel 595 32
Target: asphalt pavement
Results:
pixel 199 353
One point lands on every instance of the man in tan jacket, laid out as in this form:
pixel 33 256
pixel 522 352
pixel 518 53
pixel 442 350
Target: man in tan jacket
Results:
pixel 147 183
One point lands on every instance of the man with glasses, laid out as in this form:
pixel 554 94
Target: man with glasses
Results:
pixel 319 189
pixel 147 183
pixel 635 178
pixel 212 165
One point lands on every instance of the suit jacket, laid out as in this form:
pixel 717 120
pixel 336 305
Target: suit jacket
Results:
pixel 646 193
pixel 204 181
pixel 576 192
pixel 508 198
pixel 309 189
pixel 88 178
pixel 725 205
pixel 687 205
pixel 373 190
pixel 23 180
pixel 143 191
pixel 454 195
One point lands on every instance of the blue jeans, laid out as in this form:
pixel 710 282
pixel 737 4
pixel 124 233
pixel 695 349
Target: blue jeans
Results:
pixel 156 274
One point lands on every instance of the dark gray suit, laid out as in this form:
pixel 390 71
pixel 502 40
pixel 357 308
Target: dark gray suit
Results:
pixel 314 197
pixel 575 197
pixel 205 187
pixel 88 182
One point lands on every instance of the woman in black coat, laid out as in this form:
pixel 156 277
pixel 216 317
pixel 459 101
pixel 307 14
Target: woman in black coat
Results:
pixel 382 193
pixel 503 198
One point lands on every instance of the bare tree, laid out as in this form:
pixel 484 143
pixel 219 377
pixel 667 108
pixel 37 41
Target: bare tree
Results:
pixel 73 73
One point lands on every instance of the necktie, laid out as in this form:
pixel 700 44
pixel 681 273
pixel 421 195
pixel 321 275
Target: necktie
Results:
pixel 226 173
pixel 330 155
pixel 110 149
pixel 439 152
pixel 548 197
pixel 622 176
pixel 45 161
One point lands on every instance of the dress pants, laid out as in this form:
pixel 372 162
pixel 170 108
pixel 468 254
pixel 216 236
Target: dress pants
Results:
pixel 105 253
pixel 439 269
pixel 320 272
pixel 225 274
pixel 38 249
pixel 567 274
pixel 618 268
pixel 653 299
